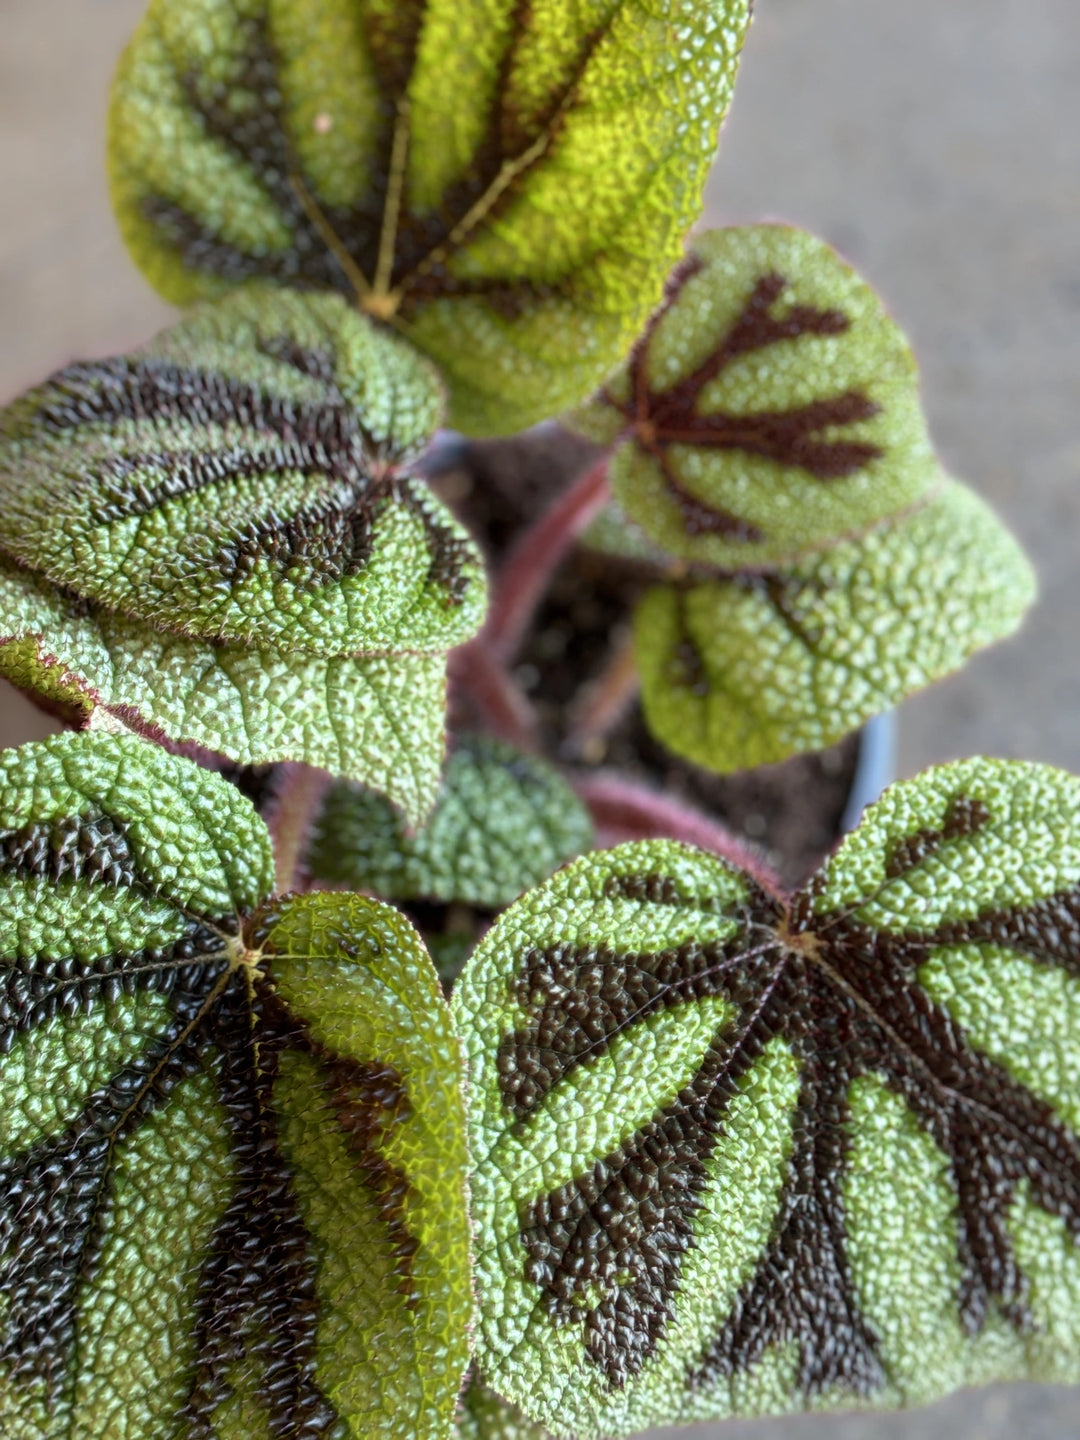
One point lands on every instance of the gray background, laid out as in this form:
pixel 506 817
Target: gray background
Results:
pixel 936 142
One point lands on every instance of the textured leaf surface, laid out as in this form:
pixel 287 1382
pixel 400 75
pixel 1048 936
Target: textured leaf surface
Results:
pixel 232 1193
pixel 502 823
pixel 508 183
pixel 378 719
pixel 224 486
pixel 771 405
pixel 219 541
pixel 740 1155
pixel 484 1416
pixel 745 671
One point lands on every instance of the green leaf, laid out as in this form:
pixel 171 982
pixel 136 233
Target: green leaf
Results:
pixel 377 719
pixel 748 670
pixel 484 1416
pixel 212 1107
pixel 216 540
pixel 739 1154
pixel 502 823
pixel 228 490
pixel 507 184
pixel 771 405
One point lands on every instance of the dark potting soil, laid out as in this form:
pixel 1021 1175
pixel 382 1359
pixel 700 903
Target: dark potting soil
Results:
pixel 791 811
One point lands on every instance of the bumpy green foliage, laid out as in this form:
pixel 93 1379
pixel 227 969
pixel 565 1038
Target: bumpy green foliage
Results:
pixel 232 1164
pixel 508 184
pixel 747 670
pixel 739 1154
pixel 771 405
pixel 502 823
pixel 484 1416
pixel 206 530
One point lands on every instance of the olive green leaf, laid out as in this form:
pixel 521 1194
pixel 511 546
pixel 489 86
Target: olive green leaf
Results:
pixel 771 405
pixel 506 183
pixel 738 1154
pixel 232 1165
pixel 747 670
pixel 502 823
pixel 219 541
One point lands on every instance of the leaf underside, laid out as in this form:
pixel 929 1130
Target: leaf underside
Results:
pixel 502 823
pixel 218 540
pixel 738 1155
pixel 746 671
pixel 507 183
pixel 210 1108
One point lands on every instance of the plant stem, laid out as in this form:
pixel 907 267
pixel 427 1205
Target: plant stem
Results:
pixel 528 567
pixel 622 810
pixel 299 792
pixel 602 703
pixel 501 704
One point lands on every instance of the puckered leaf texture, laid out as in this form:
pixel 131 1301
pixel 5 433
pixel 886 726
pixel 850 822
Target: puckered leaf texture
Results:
pixel 508 184
pixel 770 406
pixel 739 1153
pixel 232 1164
pixel 218 538
pixel 747 670
pixel 485 1416
pixel 502 823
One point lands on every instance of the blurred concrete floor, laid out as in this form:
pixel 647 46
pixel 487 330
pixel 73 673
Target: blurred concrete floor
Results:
pixel 936 142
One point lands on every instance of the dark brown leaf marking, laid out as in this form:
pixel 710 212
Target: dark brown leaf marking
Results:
pixel 54 1196
pixel 966 816
pixel 424 243
pixel 606 1249
pixel 368 1101
pixel 578 998
pixel 93 848
pixel 322 441
pixel 656 420
pixel 256 1298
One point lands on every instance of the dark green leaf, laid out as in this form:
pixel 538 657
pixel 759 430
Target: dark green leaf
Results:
pixel 503 822
pixel 507 183
pixel 232 1166
pixel 216 540
pixel 737 1153
pixel 748 670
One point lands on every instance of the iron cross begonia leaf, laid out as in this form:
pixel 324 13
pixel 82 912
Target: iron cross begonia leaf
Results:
pixel 232 1163
pixel 737 1153
pixel 770 406
pixel 502 823
pixel 216 539
pixel 484 1416
pixel 746 670
pixel 507 184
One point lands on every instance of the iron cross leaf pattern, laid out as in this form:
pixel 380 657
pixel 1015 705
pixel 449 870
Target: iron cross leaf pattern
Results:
pixel 232 1151
pixel 739 1153
pixel 217 540
pixel 505 183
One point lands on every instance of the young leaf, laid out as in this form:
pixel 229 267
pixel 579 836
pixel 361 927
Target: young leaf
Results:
pixel 770 405
pixel 218 542
pixel 210 1108
pixel 748 670
pixel 502 823
pixel 506 183
pixel 737 1155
